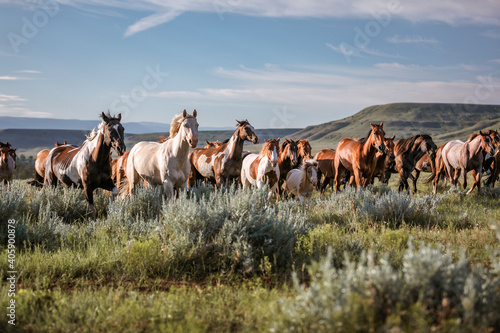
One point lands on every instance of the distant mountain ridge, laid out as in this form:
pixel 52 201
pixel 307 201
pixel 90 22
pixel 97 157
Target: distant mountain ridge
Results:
pixel 85 125
pixel 442 121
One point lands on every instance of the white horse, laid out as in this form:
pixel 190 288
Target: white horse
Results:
pixel 301 182
pixel 165 163
pixel 259 169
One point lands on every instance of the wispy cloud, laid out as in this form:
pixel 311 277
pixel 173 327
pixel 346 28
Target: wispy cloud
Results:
pixel 10 98
pixel 29 71
pixel 411 40
pixel 481 12
pixel 151 21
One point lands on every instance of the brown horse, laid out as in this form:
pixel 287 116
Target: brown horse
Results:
pixel 288 159
pixel 40 165
pixel 461 157
pixel 383 161
pixel 304 150
pixel 326 167
pixel 408 152
pixel 223 163
pixel 438 170
pixel 495 159
pixel 7 162
pixel 359 158
pixel 89 165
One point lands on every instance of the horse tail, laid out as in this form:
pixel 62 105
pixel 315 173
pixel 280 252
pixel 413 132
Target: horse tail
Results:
pixel 123 187
pixel 433 174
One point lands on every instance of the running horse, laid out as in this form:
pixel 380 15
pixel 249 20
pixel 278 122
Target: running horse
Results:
pixel 89 165
pixel 359 157
pixel 287 160
pixel 223 163
pixel 165 163
pixel 259 169
pixel 7 162
pixel 461 157
pixel 408 152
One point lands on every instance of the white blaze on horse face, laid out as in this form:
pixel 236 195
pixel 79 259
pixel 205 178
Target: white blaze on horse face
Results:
pixel 274 159
pixel 116 127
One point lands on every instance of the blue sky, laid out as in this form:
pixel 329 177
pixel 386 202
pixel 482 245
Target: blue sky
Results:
pixel 276 63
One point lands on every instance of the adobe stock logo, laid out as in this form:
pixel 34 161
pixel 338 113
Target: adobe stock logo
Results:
pixel 47 9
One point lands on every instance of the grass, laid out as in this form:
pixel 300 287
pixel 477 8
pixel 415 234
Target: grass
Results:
pixel 227 260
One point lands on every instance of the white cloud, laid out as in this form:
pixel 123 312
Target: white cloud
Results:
pixel 10 78
pixel 481 12
pixel 29 71
pixel 333 92
pixel 411 40
pixel 10 98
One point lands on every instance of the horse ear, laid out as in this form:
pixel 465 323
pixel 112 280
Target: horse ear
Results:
pixel 480 132
pixel 393 137
pixel 195 113
pixel 266 140
pixel 119 117
pixel 184 113
pixel 239 122
pixel 104 117
pixel 279 140
pixel 381 124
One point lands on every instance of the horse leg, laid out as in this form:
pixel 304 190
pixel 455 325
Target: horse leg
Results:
pixel 168 188
pixel 339 171
pixel 476 176
pixel 415 178
pixel 325 183
pixel 464 178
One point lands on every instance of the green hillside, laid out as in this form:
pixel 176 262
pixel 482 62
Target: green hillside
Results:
pixel 442 121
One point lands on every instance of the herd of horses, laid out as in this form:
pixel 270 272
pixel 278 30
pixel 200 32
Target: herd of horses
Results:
pixel 287 168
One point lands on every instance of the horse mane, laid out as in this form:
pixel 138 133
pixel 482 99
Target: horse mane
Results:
pixel 472 137
pixel 283 146
pixel 308 163
pixel 403 145
pixel 242 123
pixel 176 123
pixel 93 134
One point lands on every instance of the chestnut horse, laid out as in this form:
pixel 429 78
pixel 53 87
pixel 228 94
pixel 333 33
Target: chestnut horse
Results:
pixel 287 160
pixel 223 163
pixel 165 163
pixel 359 157
pixel 304 151
pixel 461 157
pixel 408 152
pixel 384 160
pixel 89 165
pixel 326 167
pixel 259 169
pixel 41 157
pixel 301 182
pixel 7 162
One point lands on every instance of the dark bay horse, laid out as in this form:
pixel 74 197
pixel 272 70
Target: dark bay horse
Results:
pixel 89 165
pixel 359 157
pixel 383 160
pixel 408 152
pixel 461 157
pixel 7 162
pixel 287 160
pixel 326 167
pixel 494 160
pixel 223 163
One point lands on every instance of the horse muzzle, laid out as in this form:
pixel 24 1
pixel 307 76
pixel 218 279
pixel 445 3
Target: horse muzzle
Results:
pixel 255 140
pixel 392 157
pixel 381 148
pixel 193 142
pixel 120 150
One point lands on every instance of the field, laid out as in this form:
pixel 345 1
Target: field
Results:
pixel 228 261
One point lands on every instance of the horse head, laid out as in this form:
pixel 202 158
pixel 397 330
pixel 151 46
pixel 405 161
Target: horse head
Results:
pixel 377 137
pixel 12 153
pixel 304 149
pixel 190 128
pixel 4 154
pixel 487 143
pixel 495 137
pixel 247 132
pixel 311 170
pixel 389 148
pixel 113 133
pixel 289 149
pixel 428 147
pixel 271 149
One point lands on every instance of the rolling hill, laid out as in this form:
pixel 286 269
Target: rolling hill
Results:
pixel 443 122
